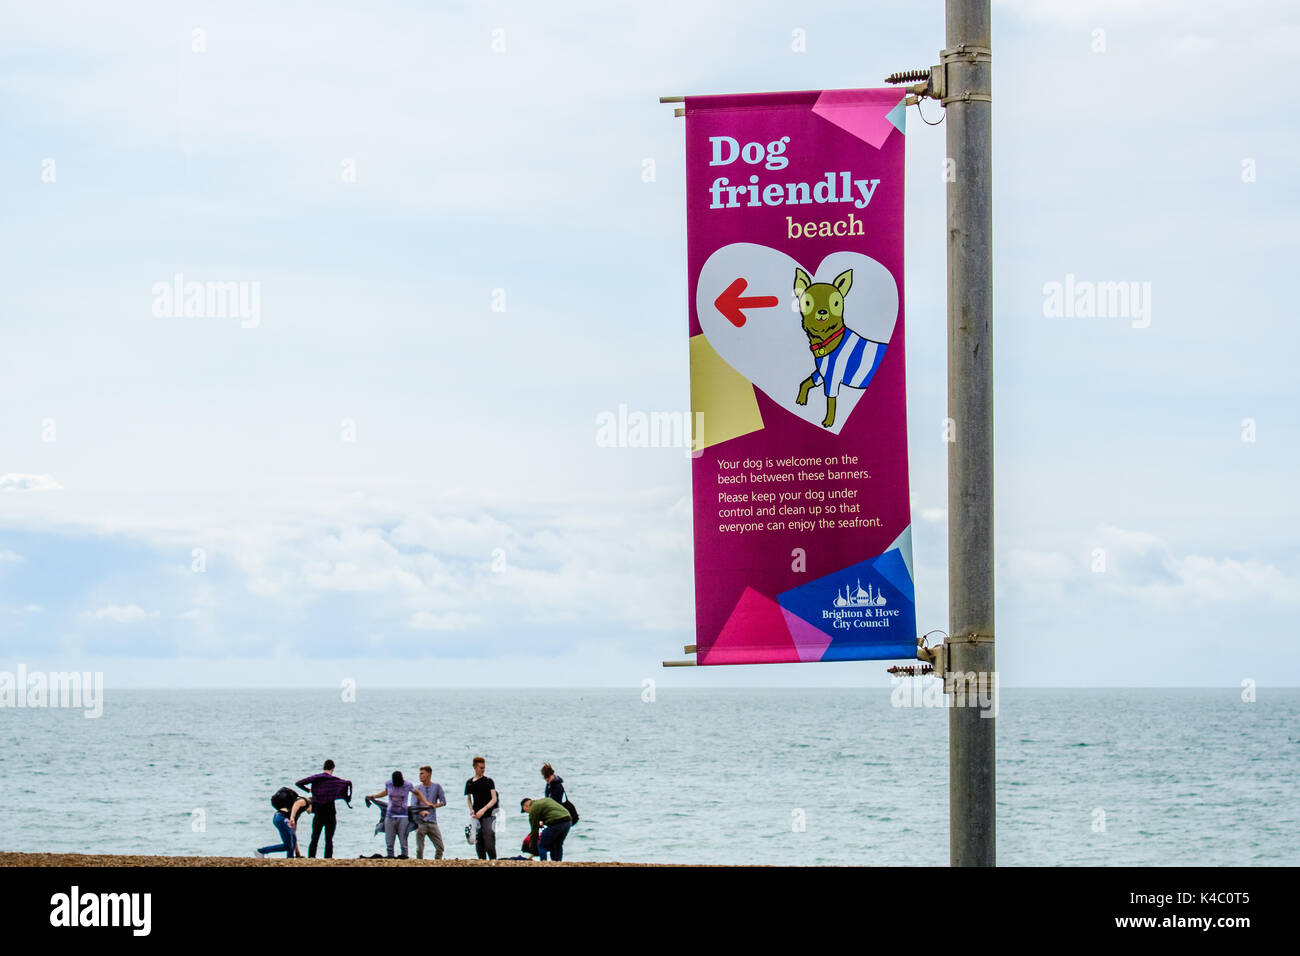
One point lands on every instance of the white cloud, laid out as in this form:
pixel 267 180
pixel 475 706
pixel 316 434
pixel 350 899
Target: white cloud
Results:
pixel 129 614
pixel 20 482
pixel 1039 575
pixel 473 537
pixel 1143 565
pixel 1193 45
pixel 601 560
pixel 452 621
pixel 1129 542
pixel 10 557
pixel 1100 12
pixel 1041 565
pixel 1205 579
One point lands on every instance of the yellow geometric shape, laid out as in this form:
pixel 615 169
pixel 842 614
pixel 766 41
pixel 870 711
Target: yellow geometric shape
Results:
pixel 723 405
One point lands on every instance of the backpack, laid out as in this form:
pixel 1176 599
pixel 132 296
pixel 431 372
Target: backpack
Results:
pixel 568 805
pixel 284 799
pixel 563 798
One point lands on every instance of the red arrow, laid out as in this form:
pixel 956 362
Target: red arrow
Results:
pixel 731 302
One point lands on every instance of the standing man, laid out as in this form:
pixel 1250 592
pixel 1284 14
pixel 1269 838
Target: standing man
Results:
pixel 428 825
pixel 557 820
pixel 325 788
pixel 481 795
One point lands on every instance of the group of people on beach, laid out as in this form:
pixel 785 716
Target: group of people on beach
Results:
pixel 407 806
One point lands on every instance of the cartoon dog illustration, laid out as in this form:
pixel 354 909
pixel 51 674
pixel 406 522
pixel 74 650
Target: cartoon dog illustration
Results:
pixel 840 355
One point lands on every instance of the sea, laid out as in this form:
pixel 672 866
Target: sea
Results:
pixel 825 777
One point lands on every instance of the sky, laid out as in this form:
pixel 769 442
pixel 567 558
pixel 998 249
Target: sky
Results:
pixel 390 473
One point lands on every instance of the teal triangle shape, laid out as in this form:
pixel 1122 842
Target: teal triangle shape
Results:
pixel 898 116
pixel 904 545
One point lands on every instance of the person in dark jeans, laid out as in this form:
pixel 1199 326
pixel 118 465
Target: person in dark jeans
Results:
pixel 288 807
pixel 325 788
pixel 481 795
pixel 551 814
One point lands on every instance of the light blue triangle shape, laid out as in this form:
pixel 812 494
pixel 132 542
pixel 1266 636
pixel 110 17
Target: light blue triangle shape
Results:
pixel 898 116
pixel 904 545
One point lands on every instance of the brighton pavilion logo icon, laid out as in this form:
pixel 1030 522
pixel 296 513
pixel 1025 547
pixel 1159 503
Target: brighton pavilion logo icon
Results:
pixel 860 597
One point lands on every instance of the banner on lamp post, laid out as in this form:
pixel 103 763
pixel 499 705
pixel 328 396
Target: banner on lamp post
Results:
pixel 802 517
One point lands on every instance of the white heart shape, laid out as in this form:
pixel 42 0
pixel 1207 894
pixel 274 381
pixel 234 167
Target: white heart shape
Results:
pixel 771 348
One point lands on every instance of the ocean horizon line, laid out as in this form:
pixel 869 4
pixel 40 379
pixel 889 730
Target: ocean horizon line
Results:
pixel 674 688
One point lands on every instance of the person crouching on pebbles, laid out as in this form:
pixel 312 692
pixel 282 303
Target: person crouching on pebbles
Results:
pixel 557 821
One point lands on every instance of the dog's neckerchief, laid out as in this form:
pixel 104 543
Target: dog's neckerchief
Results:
pixel 827 345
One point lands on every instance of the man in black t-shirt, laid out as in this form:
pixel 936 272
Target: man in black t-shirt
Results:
pixel 481 795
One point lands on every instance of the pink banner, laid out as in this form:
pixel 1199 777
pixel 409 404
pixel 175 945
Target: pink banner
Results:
pixel 795 250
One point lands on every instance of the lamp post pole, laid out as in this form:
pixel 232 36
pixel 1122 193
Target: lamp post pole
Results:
pixel 971 772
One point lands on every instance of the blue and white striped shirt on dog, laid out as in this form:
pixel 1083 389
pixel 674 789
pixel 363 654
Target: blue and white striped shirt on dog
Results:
pixel 851 363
